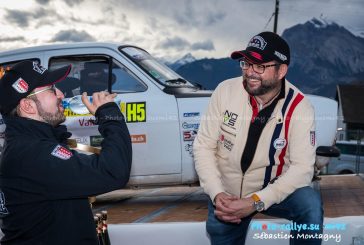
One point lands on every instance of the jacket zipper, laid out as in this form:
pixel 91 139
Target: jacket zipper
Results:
pixel 242 178
pixel 271 118
pixel 241 187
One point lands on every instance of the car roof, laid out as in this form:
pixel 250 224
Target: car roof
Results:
pixel 49 47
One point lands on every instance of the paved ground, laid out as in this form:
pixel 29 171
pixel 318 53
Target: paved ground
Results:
pixel 181 203
pixel 342 196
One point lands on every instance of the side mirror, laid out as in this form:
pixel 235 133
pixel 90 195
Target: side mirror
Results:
pixel 327 151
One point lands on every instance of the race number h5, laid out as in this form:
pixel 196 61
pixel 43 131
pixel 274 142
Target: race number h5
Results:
pixel 135 112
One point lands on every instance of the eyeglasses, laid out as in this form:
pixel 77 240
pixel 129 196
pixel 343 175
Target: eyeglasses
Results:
pixel 51 88
pixel 256 67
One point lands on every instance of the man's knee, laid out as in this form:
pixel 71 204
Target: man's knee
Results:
pixel 308 204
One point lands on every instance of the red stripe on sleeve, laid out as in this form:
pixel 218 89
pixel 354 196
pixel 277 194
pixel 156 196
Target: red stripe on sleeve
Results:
pixel 294 104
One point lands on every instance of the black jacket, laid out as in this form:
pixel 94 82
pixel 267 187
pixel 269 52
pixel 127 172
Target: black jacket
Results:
pixel 44 186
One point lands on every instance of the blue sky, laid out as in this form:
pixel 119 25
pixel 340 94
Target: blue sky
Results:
pixel 166 28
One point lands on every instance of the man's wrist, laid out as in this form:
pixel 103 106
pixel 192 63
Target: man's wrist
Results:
pixel 258 204
pixel 107 112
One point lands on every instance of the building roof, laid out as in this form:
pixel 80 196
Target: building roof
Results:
pixel 351 99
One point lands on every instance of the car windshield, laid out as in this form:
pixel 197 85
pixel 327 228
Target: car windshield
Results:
pixel 158 71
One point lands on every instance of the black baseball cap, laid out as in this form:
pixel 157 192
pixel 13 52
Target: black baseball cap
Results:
pixel 21 79
pixel 265 47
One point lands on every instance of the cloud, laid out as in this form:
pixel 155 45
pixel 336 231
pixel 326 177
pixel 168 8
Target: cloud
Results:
pixel 72 36
pixel 179 44
pixel 42 12
pixel 176 26
pixel 24 18
pixel 175 42
pixel 71 3
pixel 122 21
pixel 198 14
pixel 74 19
pixel 104 16
pixel 20 18
pixel 213 18
pixel 158 27
pixel 205 45
pixel 187 13
pixel 12 39
pixel 43 2
pixel 153 22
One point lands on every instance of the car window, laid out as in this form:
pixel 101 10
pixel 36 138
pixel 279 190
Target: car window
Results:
pixel 350 149
pixel 124 81
pixel 157 70
pixel 90 73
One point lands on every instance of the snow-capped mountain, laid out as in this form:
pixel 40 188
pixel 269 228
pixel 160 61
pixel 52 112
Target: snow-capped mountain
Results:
pixel 188 58
pixel 321 23
pixel 323 54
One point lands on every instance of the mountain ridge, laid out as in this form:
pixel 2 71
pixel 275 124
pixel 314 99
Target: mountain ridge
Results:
pixel 323 54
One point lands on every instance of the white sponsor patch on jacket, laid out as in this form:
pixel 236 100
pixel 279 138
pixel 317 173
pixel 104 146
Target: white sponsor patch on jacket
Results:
pixel 62 152
pixel 230 118
pixel 313 138
pixel 21 86
pixel 226 143
pixel 279 143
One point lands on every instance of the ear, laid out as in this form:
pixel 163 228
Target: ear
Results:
pixel 28 107
pixel 282 71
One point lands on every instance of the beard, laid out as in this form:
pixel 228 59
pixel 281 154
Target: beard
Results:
pixel 265 85
pixel 53 119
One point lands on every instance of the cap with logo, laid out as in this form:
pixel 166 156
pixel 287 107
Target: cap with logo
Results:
pixel 20 80
pixel 265 47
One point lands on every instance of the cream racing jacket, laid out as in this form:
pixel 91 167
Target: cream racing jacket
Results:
pixel 285 155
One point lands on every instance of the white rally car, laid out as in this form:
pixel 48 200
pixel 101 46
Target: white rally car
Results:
pixel 162 109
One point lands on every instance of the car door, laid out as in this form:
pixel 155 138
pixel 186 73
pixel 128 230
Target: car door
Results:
pixel 151 115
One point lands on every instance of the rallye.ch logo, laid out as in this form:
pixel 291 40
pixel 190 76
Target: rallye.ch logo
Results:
pixel 138 138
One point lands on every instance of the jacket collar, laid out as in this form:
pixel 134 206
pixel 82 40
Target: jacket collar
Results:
pixel 277 113
pixel 22 126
